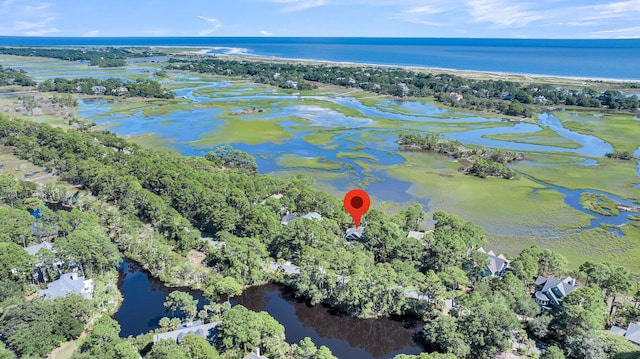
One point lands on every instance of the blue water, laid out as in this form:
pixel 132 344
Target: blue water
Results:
pixel 574 58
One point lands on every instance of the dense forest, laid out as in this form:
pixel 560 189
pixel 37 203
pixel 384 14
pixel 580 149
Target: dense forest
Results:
pixel 11 76
pixel 220 195
pixel 110 86
pixel 481 162
pixel 99 56
pixel 506 97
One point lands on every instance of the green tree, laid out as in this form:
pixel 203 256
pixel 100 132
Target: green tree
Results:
pixel 581 312
pixel 228 286
pixel 199 347
pixel 182 301
pixel 552 353
pixel 91 246
pixel 306 349
pixel 15 226
pixel 167 348
pixel 445 336
pixel 16 262
pixel 245 330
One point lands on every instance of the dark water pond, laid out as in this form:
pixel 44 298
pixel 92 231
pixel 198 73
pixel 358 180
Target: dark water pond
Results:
pixel 347 337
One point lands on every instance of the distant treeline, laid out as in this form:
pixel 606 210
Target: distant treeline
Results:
pixel 101 56
pixel 111 86
pixel 627 156
pixel 506 97
pixel 10 76
pixel 482 162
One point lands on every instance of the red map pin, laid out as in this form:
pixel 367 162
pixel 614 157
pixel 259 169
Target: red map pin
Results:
pixel 357 202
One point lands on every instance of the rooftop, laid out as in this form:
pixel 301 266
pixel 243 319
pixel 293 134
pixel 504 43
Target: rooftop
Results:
pixel 69 283
pixel 197 328
pixel 32 250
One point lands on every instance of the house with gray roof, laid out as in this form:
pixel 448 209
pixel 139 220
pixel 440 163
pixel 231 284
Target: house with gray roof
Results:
pixel 550 291
pixel 354 234
pixel 69 283
pixel 417 235
pixel 32 250
pixel 291 217
pixel 255 355
pixel 202 330
pixel 275 196
pixel 498 264
pixel 632 333
pixel 287 267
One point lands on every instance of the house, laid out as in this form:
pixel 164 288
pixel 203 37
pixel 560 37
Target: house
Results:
pixel 354 234
pixel 32 250
pixel 276 196
pixel 313 215
pixel 120 91
pixel 632 333
pixel 197 328
pixel 497 264
pixel 540 100
pixel 211 242
pixel 417 235
pixel 456 96
pixel 98 90
pixel 550 291
pixel 255 355
pixel 291 217
pixel 288 218
pixel 287 267
pixel 291 84
pixel 69 283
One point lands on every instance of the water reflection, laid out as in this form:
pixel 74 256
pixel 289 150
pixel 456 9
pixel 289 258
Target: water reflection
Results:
pixel 347 337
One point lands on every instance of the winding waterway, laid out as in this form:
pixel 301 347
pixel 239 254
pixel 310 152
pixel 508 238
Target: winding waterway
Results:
pixel 361 133
pixel 347 337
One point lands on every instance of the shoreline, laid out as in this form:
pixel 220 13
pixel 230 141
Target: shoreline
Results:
pixel 205 51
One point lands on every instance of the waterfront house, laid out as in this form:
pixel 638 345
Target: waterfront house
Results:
pixel 498 264
pixel 202 330
pixel 456 96
pixel 550 291
pixel 540 100
pixel 69 283
pixel 632 332
pixel 120 91
pixel 98 90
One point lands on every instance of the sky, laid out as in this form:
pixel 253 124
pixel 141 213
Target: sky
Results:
pixel 325 18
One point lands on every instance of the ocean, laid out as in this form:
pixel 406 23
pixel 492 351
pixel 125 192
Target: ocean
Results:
pixel 599 59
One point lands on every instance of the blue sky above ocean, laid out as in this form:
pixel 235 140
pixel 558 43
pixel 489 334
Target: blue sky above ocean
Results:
pixel 355 18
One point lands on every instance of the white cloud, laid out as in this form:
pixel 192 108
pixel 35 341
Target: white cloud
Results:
pixel 299 5
pixel 266 33
pixel 26 25
pixel 26 17
pixel 422 10
pixel 216 25
pixel 208 19
pixel 41 32
pixel 504 13
pixel 620 7
pixel 92 33
pixel 623 33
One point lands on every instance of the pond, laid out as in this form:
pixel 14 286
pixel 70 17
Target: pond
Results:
pixel 347 337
